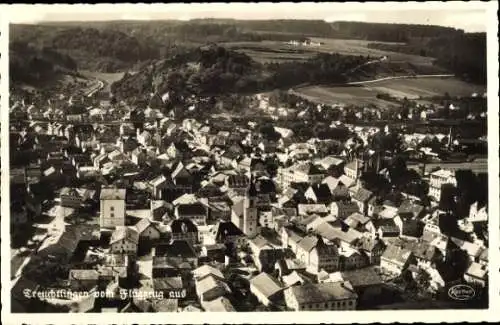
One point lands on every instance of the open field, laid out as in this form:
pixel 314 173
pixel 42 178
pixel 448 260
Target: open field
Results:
pixel 277 51
pixel 360 47
pixel 272 51
pixel 425 87
pixel 364 94
pixel 342 95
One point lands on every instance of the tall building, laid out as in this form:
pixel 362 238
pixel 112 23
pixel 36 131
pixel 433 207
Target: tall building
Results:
pixel 112 207
pixel 250 211
pixel 439 178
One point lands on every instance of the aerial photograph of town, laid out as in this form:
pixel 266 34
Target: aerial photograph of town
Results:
pixel 230 162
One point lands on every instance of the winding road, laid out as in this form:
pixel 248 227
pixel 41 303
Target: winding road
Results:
pixel 418 76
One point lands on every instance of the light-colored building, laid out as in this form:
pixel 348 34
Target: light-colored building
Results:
pixel 476 274
pixel 124 240
pixel 305 172
pixel 439 178
pixel 112 213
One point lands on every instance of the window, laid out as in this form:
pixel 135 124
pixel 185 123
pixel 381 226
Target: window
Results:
pixel 112 209
pixel 111 215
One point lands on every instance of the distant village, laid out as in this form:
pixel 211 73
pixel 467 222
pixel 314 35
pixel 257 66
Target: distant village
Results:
pixel 152 212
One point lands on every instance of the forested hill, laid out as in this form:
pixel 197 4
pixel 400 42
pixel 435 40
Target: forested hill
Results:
pixel 390 32
pixel 130 45
pixel 214 70
pixel 92 49
pixel 464 54
pixel 34 66
pixel 123 45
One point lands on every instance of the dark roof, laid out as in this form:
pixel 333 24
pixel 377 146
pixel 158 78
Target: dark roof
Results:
pixel 362 277
pixel 362 195
pixel 182 226
pixel 167 283
pixel 192 209
pixel 226 229
pixel 387 225
pixel 424 251
pixel 321 191
pixel 408 207
pixel 178 248
pixel 396 254
pixel 237 180
pixel 321 292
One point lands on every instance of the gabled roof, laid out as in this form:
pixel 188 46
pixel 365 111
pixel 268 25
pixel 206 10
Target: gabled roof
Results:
pixel 318 293
pixel 210 282
pixel 321 191
pixel 221 304
pixel 180 171
pixel 308 243
pixel 362 195
pixel 346 180
pixel 409 207
pixel 260 242
pixel 143 224
pixel 362 277
pixel 356 219
pixel 157 181
pixel 124 233
pixel 167 283
pixel 397 254
pixel 222 230
pixel 266 284
pixel 177 248
pixel 331 182
pixel 206 270
pixel 293 278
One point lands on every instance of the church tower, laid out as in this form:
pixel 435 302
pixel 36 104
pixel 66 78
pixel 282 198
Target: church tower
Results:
pixel 250 212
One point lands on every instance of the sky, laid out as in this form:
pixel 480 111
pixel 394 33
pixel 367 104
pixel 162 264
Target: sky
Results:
pixel 471 16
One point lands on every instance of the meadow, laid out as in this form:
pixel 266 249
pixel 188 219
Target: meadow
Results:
pixel 412 88
pixel 277 51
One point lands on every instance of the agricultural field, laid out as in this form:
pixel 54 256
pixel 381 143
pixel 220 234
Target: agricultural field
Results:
pixel 425 87
pixel 276 51
pixel 272 51
pixel 342 95
pixel 360 47
pixel 366 94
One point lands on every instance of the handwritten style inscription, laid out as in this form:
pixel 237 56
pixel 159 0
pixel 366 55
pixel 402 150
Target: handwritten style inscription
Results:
pixel 461 292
